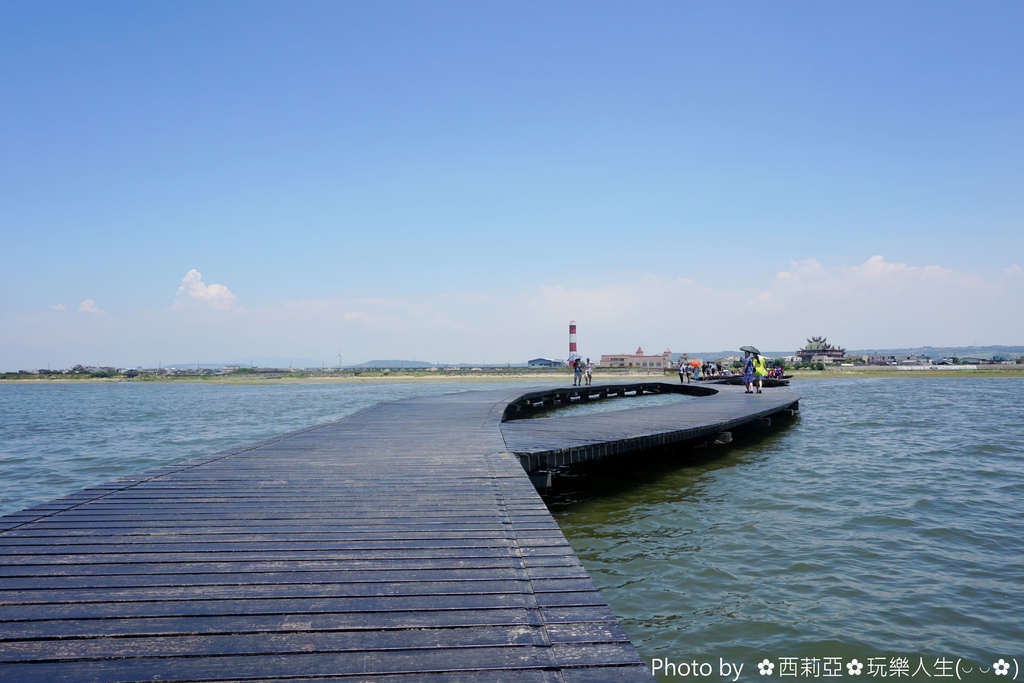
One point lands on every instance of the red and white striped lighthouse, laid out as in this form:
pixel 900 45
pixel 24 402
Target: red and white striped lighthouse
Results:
pixel 572 338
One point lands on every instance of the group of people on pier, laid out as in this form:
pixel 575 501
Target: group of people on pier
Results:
pixel 582 372
pixel 753 367
pixel 689 371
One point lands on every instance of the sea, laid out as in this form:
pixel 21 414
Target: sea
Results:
pixel 878 534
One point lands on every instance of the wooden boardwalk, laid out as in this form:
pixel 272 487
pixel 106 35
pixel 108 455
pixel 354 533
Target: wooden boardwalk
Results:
pixel 403 543
pixel 546 443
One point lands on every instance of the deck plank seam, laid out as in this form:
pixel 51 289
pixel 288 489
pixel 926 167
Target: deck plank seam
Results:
pixel 534 613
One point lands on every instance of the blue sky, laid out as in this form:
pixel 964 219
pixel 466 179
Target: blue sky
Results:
pixel 455 181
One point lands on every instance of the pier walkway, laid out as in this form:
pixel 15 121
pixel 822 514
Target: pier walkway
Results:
pixel 402 543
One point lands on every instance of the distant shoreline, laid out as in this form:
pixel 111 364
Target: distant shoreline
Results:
pixel 930 371
pixel 551 376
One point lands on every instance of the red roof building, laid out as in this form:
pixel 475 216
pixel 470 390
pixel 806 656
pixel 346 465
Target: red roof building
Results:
pixel 636 360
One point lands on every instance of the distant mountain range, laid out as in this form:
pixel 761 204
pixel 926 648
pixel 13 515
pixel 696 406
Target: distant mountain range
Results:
pixel 982 352
pixel 390 364
pixel 304 363
pixel 256 362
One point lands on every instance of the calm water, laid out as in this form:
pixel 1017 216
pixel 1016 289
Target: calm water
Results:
pixel 59 438
pixel 886 522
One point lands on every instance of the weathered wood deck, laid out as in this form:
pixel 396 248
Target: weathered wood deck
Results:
pixel 402 543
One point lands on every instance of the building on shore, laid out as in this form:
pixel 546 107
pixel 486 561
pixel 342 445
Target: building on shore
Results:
pixel 545 363
pixel 637 360
pixel 818 350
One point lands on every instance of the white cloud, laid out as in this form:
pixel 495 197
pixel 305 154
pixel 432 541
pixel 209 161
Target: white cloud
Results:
pixel 58 307
pixel 88 306
pixel 193 289
pixel 879 303
pixel 1013 273
pixel 870 304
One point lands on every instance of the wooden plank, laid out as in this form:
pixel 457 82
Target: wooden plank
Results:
pixel 592 615
pixel 286 642
pixel 254 568
pixel 56 611
pixel 279 623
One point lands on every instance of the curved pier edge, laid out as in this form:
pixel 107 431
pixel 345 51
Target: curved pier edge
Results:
pixel 546 399
pixel 719 411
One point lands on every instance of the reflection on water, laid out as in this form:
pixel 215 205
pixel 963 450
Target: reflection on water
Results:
pixel 598 481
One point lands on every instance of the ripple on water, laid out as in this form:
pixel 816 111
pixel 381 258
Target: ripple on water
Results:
pixel 57 438
pixel 884 521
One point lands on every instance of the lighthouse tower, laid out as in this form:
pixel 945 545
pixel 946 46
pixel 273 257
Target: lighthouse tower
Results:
pixel 572 338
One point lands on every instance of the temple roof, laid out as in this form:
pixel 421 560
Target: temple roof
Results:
pixel 821 344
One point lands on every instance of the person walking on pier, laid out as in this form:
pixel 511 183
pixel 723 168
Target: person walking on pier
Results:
pixel 577 372
pixel 748 372
pixel 682 371
pixel 588 372
pixel 759 370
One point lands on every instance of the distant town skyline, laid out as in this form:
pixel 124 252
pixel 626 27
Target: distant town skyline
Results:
pixel 285 363
pixel 455 182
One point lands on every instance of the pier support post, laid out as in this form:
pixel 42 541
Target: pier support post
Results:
pixel 541 479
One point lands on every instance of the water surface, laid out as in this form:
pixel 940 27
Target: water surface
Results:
pixel 885 522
